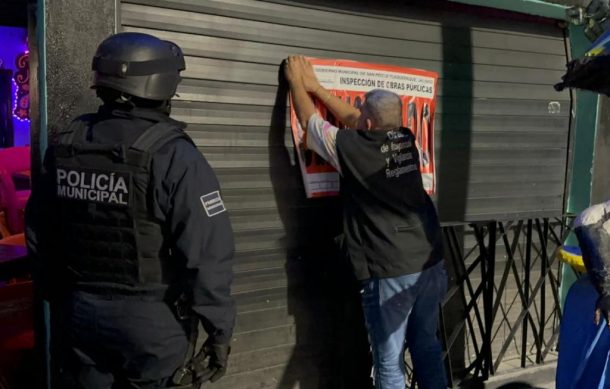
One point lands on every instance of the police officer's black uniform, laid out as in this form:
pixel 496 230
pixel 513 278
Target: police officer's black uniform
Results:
pixel 130 231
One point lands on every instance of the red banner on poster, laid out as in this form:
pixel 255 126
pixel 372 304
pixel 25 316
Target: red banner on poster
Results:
pixel 350 81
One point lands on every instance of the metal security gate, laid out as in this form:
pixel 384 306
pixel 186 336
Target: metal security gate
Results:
pixel 502 136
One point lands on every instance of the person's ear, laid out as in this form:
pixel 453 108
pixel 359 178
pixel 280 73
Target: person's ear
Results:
pixel 369 124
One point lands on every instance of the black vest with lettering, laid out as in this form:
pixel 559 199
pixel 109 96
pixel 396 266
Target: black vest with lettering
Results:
pixel 105 234
pixel 390 223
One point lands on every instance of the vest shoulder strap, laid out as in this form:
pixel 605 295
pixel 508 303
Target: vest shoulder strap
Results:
pixel 77 130
pixel 157 136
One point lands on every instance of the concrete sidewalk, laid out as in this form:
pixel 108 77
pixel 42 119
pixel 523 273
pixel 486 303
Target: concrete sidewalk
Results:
pixel 539 377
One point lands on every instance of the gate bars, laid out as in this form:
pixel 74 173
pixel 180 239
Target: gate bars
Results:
pixel 507 281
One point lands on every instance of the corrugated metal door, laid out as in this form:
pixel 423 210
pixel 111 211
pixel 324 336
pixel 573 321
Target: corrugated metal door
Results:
pixel 502 134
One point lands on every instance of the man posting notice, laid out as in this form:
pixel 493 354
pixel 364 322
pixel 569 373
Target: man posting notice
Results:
pixel 392 233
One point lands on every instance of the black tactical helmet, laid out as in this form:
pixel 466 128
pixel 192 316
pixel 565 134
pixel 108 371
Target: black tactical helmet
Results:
pixel 138 64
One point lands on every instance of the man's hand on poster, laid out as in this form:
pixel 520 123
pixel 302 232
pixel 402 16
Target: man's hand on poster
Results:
pixel 292 71
pixel 299 70
pixel 310 81
pixel 301 100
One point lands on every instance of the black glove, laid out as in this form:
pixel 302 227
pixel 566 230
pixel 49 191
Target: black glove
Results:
pixel 602 307
pixel 217 356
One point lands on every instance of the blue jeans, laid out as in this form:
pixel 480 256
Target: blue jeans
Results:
pixel 400 309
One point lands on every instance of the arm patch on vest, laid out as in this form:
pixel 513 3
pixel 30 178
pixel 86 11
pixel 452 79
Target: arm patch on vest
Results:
pixel 103 187
pixel 213 204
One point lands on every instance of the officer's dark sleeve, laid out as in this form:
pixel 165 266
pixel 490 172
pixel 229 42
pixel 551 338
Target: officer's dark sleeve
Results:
pixel 189 196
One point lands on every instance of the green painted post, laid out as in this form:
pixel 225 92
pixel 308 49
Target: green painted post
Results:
pixel 43 305
pixel 579 190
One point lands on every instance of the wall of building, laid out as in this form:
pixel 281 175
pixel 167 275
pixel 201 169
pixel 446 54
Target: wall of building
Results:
pixel 74 29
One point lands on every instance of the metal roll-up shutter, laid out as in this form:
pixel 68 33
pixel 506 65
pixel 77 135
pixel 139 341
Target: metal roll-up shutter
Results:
pixel 502 136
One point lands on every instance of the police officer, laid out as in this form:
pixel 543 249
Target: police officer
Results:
pixel 131 238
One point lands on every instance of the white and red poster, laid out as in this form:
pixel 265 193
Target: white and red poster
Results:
pixel 350 81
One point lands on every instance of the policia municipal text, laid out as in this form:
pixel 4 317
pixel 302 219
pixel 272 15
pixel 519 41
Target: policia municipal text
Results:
pixel 131 240
pixel 392 233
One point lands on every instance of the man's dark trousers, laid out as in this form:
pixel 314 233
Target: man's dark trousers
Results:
pixel 118 343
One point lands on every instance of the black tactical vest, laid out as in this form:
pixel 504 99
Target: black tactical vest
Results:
pixel 105 232
pixel 390 224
